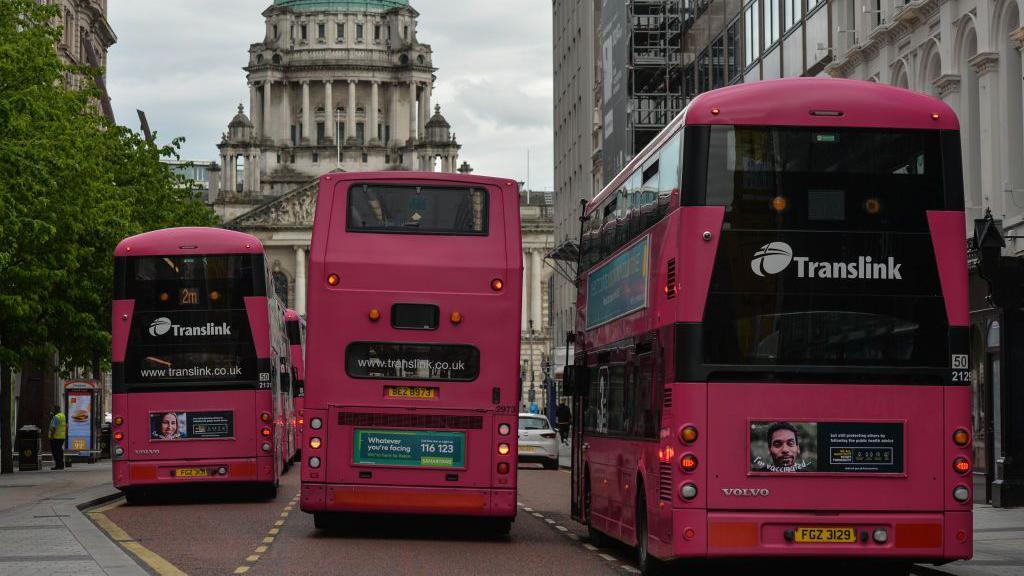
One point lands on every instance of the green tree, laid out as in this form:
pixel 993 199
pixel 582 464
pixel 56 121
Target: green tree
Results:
pixel 71 186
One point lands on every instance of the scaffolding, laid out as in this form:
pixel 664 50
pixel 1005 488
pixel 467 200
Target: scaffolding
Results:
pixel 655 68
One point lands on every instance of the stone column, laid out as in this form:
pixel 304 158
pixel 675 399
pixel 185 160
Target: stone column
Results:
pixel 373 116
pixel 329 108
pixel 412 113
pixel 232 173
pixel 300 280
pixel 268 123
pixel 254 111
pixel 350 116
pixel 525 325
pixel 424 111
pixel 987 65
pixel 393 112
pixel 225 173
pixel 536 298
pixel 257 178
pixel 286 114
pixel 306 115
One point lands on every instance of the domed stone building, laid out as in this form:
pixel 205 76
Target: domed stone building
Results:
pixel 334 85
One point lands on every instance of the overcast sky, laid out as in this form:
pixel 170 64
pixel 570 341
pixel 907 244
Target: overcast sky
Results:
pixel 181 62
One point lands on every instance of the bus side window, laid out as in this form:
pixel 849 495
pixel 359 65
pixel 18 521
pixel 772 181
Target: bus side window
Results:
pixel 668 177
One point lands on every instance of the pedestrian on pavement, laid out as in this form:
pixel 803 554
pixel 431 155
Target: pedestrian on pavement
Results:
pixel 563 415
pixel 58 433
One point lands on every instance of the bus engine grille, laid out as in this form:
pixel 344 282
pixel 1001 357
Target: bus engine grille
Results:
pixel 436 421
pixel 665 480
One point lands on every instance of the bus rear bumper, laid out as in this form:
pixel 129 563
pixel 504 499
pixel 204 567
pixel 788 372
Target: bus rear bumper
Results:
pixel 166 472
pixel 924 537
pixel 497 503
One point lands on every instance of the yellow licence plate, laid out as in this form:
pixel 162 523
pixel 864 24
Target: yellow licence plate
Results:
pixel 826 535
pixel 411 392
pixel 526 448
pixel 190 472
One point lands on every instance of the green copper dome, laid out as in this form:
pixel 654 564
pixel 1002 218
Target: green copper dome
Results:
pixel 370 5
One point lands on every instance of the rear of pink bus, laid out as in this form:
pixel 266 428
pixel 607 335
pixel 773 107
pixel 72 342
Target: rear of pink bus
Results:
pixel 197 347
pixel 412 388
pixel 296 327
pixel 805 328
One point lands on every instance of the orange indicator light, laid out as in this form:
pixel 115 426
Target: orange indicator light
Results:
pixel 118 421
pixel 688 434
pixel 497 284
pixel 779 203
pixel 374 314
pixel 456 317
pixel 333 280
pixel 961 437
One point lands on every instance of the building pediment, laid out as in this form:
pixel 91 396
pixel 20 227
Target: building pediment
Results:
pixel 293 209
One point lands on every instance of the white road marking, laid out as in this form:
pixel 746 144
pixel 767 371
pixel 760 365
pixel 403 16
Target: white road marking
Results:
pixel 562 528
pixel 590 547
pixel 607 557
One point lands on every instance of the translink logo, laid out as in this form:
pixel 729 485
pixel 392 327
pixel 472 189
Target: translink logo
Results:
pixel 775 257
pixel 163 325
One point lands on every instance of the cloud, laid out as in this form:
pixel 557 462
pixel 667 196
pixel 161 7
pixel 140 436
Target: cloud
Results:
pixel 181 62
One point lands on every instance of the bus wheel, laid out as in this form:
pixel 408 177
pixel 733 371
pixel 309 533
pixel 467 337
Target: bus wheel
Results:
pixel 321 521
pixel 500 526
pixel 269 491
pixel 135 497
pixel 648 565
pixel 597 538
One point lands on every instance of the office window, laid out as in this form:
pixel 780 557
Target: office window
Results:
pixel 360 132
pixel 341 32
pixel 321 132
pixel 752 32
pixel 771 22
pixel 376 33
pixel 321 31
pixel 718 63
pixel 359 32
pixel 732 57
pixel 303 30
pixel 793 14
pixel 316 157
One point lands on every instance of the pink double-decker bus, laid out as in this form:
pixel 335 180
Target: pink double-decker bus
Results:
pixel 771 343
pixel 199 356
pixel 296 326
pixel 412 389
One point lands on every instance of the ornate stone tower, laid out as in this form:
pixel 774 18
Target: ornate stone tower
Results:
pixel 335 84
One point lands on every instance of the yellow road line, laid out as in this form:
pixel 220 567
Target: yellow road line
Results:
pixel 108 507
pixel 116 533
pixel 158 564
pixel 241 570
pixel 261 549
pixel 268 540
pixel 253 558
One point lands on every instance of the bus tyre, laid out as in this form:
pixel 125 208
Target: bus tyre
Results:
pixel 597 538
pixel 500 526
pixel 321 521
pixel 269 491
pixel 135 497
pixel 648 565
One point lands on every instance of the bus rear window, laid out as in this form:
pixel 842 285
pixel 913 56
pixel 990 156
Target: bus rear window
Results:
pixel 417 210
pixel 192 282
pixel 398 361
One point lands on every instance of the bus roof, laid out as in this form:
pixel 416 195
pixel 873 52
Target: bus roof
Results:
pixel 793 102
pixel 398 176
pixel 189 240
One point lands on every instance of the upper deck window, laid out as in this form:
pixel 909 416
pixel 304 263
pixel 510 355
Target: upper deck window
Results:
pixel 417 210
pixel 192 282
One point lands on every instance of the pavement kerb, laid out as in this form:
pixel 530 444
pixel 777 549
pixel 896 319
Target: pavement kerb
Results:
pixel 110 557
pixel 83 506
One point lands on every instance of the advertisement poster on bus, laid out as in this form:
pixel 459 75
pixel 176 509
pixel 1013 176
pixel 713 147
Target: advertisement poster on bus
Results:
pixel 619 287
pixel 173 425
pixel 845 447
pixel 79 421
pixel 418 448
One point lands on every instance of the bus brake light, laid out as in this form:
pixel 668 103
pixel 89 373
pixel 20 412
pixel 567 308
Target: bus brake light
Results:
pixel 503 468
pixel 118 436
pixel 265 432
pixel 962 465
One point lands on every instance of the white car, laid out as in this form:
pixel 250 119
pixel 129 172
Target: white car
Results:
pixel 538 441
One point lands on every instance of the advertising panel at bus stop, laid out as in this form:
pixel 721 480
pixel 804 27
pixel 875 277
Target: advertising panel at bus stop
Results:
pixel 81 398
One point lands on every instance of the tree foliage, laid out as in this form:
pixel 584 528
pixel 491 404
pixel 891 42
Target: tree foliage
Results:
pixel 72 185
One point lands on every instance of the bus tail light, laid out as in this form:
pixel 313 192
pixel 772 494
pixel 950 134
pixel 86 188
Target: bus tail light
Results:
pixel 504 449
pixel 962 465
pixel 265 416
pixel 503 468
pixel 688 462
pixel 961 438
pixel 688 434
pixel 961 493
pixel 119 436
pixel 265 432
pixel 315 443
